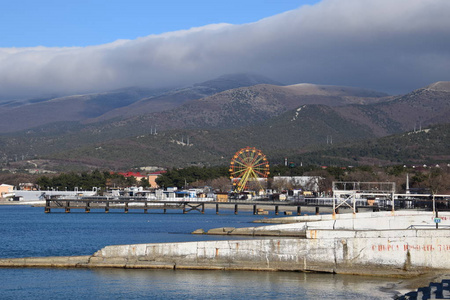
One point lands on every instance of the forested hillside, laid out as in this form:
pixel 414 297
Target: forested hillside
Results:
pixel 323 125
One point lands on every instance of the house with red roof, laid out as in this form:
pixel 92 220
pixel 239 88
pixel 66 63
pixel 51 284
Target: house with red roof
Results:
pixel 151 177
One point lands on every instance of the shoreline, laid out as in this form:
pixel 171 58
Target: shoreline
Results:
pixel 243 255
pixel 345 244
pixel 364 244
pixel 36 203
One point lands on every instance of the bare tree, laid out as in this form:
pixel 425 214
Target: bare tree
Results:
pixel 325 180
pixel 256 185
pixel 293 184
pixel 222 184
pixel 360 175
pixel 199 183
pixel 281 184
pixel 312 184
pixel 438 181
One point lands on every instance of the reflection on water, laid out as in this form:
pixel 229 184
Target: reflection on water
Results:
pixel 184 284
pixel 27 231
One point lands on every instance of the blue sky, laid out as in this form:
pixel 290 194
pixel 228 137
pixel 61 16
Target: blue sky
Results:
pixel 59 23
pixel 69 47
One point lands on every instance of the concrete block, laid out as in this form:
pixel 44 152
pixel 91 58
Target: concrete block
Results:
pixel 221 231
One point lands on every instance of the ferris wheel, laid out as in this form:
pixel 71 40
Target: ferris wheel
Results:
pixel 248 165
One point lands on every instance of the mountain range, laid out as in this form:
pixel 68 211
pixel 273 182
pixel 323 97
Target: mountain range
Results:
pixel 24 114
pixel 206 123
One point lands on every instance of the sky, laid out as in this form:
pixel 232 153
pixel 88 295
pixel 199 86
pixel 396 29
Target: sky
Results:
pixel 56 23
pixel 54 47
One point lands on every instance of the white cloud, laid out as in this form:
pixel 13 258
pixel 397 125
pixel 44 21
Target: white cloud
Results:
pixel 389 45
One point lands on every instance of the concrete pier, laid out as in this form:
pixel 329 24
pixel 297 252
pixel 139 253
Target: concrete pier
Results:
pixel 299 225
pixel 391 253
pixel 407 251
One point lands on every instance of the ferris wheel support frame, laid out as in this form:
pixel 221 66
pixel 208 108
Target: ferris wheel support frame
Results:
pixel 248 165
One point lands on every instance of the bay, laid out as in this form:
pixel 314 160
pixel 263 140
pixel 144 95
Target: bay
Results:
pixel 28 231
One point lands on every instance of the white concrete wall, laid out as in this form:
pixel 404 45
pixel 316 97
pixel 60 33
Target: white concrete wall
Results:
pixel 362 221
pixel 341 251
pixel 262 254
pixel 34 195
pixel 404 249
pixel 361 215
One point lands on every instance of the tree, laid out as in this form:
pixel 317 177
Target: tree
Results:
pixel 116 181
pixel 144 183
pixel 164 180
pixel 221 184
pixel 438 181
pixel 44 182
pixel 182 177
pixel 130 181
pixel 256 185
pixel 281 184
pixel 325 180
pixel 312 184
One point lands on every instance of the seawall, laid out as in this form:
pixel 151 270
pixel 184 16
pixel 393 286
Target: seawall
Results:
pixel 298 226
pixel 391 253
pixel 380 244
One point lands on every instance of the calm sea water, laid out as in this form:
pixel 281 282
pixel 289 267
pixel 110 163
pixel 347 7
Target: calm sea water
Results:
pixel 28 231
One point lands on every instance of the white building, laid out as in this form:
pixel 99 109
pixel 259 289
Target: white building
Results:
pixel 306 183
pixel 6 190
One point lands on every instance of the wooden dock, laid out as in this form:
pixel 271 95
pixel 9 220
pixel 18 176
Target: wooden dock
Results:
pixel 186 205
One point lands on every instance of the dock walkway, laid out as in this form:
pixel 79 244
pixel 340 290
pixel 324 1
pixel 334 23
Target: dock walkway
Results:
pixel 126 204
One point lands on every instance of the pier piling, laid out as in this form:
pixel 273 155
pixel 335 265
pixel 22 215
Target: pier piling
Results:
pixel 144 205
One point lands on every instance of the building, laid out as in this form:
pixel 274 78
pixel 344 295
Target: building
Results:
pixel 222 197
pixel 152 178
pixel 28 186
pixel 136 175
pixel 6 190
pixel 306 183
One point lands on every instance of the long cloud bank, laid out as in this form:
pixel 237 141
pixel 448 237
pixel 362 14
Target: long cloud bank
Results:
pixel 388 45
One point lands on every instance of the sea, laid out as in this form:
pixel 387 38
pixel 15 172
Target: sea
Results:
pixel 29 232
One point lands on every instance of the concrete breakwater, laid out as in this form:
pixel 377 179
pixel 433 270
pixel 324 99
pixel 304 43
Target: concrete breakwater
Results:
pixel 298 226
pixel 393 252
